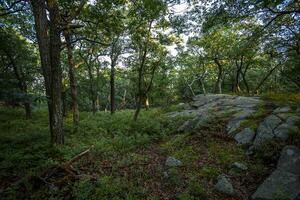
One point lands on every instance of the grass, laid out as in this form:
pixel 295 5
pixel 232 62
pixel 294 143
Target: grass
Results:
pixel 127 158
pixel 283 98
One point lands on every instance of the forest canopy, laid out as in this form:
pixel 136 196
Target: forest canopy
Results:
pixel 117 54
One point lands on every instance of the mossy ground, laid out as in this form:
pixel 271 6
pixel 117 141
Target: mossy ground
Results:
pixel 292 99
pixel 127 158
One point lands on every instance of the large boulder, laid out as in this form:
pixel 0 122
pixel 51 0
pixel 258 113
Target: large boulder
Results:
pixel 283 130
pixel 284 182
pixel 290 160
pixel 279 185
pixel 266 128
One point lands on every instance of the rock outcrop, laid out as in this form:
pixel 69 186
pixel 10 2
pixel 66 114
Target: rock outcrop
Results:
pixel 284 182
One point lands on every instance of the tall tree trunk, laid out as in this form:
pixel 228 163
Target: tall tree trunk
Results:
pixel 124 99
pixel 64 104
pixel 140 85
pixel 92 89
pixel 218 86
pixel 245 80
pixel 27 107
pixel 140 91
pixel 112 87
pixel 201 82
pixel 237 88
pixel 41 28
pixel 138 107
pixel 56 78
pixel 72 77
pixel 147 105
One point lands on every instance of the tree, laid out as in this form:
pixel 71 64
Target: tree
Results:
pixel 19 58
pixel 68 27
pixel 49 42
pixel 145 17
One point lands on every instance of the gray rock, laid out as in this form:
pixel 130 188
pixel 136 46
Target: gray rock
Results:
pixel 279 185
pixel 250 151
pixel 292 120
pixel 238 117
pixel 188 125
pixel 290 160
pixel 245 137
pixel 283 130
pixel 282 109
pixel 266 128
pixel 246 102
pixel 238 167
pixel 224 185
pixel 284 116
pixel 183 113
pixel 284 182
pixel 173 162
pixel 298 110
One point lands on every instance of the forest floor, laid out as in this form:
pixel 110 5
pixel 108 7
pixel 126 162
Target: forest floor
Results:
pixel 127 159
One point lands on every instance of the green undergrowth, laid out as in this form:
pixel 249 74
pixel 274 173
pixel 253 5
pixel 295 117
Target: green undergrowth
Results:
pixel 292 99
pixel 26 149
pixel 127 158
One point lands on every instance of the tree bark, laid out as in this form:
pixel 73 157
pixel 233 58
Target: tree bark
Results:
pixel 41 28
pixel 56 78
pixel 48 37
pixel 112 87
pixel 92 89
pixel 218 86
pixel 140 84
pixel 236 87
pixel 64 104
pixel 27 107
pixel 147 105
pixel 244 78
pixel 72 77
pixel 201 82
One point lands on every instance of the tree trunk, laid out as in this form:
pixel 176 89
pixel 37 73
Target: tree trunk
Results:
pixel 140 92
pixel 245 80
pixel 27 107
pixel 64 104
pixel 56 78
pixel 138 107
pixel 124 99
pixel 201 82
pixel 72 77
pixel 147 102
pixel 237 88
pixel 92 90
pixel 41 28
pixel 218 86
pixel 112 87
